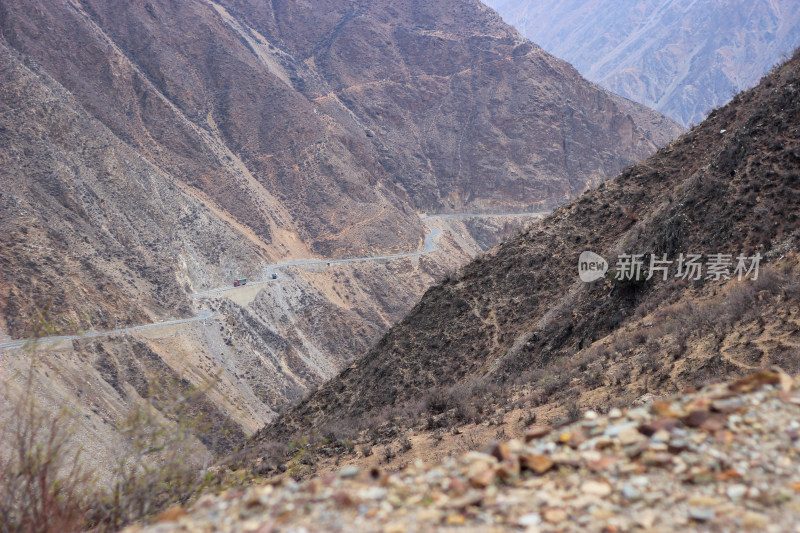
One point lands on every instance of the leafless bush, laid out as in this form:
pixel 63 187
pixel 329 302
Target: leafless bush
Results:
pixel 42 482
pixel 738 301
pixel 622 342
pixel 161 463
pixel 593 380
pixel 653 346
pixel 650 361
pixel 681 336
pixel 405 444
pixel 467 402
pixel 461 400
pixel 340 431
pixel 530 418
pixel 574 411
pixel 791 290
pixel 554 383
pixel 366 450
pixel 45 488
pixel 388 454
pixel 470 442
pixel 785 357
pixel 768 280
pixel 437 401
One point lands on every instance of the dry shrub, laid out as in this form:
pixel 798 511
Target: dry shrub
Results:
pixel 593 380
pixel 466 402
pixel 573 411
pixel 785 357
pixel 405 444
pixel 44 487
pixel 162 463
pixel 623 342
pixel 42 482
pixel 341 431
pixel 388 454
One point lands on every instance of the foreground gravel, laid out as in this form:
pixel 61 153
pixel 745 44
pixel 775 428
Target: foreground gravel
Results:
pixel 726 458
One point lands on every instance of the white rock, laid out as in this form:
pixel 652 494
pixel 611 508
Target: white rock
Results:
pixel 530 519
pixel 349 471
pixel 736 492
pixel 630 492
pixel 596 488
pixel 701 514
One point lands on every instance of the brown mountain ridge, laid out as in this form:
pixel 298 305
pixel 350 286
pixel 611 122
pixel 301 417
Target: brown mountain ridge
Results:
pixel 304 130
pixel 151 150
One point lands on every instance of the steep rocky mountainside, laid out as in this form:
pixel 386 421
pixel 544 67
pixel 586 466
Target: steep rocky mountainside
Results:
pixel 518 325
pixel 152 150
pixel 681 57
pixel 296 129
pixel 90 228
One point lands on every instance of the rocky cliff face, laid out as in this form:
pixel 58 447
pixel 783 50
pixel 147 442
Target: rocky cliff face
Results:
pixel 680 57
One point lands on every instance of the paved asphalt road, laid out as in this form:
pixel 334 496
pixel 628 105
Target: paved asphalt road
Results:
pixel 429 247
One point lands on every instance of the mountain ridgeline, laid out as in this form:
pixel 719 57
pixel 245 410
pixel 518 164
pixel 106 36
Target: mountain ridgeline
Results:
pixel 680 57
pixel 153 150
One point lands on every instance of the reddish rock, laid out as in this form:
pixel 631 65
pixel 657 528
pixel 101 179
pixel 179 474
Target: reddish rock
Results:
pixel 537 432
pixel 536 463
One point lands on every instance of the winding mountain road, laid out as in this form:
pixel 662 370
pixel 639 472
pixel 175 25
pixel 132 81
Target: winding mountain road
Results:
pixel 429 246
pixel 201 315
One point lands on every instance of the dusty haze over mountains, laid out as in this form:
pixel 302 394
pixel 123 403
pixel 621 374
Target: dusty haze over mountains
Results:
pixel 680 57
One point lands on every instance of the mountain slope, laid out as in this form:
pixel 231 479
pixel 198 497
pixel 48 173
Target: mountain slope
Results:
pixel 76 239
pixel 153 150
pixel 323 140
pixel 680 57
pixel 519 315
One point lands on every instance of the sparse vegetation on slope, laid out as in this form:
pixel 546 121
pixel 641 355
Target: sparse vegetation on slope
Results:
pixel 48 484
pixel 520 317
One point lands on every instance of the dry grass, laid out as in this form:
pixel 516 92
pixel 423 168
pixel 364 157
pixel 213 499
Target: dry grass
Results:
pixel 44 486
